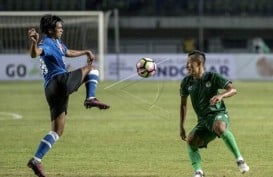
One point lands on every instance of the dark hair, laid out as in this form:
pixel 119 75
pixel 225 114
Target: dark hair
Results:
pixel 197 54
pixel 48 22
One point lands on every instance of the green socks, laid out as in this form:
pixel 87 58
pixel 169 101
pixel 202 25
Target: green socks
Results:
pixel 230 142
pixel 194 157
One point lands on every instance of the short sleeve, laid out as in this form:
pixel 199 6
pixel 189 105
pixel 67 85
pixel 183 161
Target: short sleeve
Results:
pixel 183 87
pixel 45 48
pixel 220 81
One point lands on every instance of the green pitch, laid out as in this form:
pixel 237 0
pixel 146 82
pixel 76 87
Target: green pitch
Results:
pixel 137 137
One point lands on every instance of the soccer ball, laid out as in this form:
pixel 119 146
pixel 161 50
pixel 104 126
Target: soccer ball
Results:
pixel 146 67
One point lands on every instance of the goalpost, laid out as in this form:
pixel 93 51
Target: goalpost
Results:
pixel 83 30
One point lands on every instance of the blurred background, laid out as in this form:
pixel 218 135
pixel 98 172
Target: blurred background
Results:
pixel 174 26
pixel 170 27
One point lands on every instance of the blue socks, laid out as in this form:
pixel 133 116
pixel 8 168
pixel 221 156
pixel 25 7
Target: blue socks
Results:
pixel 46 144
pixel 91 81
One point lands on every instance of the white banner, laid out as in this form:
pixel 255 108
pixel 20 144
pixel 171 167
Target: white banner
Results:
pixel 23 67
pixel 169 66
pixel 19 67
pixel 255 67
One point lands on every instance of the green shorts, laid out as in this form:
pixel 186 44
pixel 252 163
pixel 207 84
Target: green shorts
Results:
pixel 204 127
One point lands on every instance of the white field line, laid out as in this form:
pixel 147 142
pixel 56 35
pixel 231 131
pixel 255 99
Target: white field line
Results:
pixel 10 114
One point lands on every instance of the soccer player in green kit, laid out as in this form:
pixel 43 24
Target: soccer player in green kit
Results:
pixel 213 119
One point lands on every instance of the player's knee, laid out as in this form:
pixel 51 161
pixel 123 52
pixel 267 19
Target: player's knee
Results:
pixel 219 127
pixel 196 144
pixel 195 141
pixel 88 70
pixel 192 143
pixel 91 67
pixel 191 139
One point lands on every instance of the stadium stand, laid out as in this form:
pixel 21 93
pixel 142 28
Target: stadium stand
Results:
pixel 170 22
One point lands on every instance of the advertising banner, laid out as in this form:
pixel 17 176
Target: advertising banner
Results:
pixel 23 67
pixel 169 66
pixel 19 67
pixel 255 67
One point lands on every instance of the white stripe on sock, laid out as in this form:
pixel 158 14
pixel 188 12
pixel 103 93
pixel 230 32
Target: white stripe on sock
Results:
pixel 54 135
pixel 38 159
pixel 94 71
pixel 92 80
pixel 47 143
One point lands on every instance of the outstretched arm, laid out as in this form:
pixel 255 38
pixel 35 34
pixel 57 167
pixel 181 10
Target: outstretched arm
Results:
pixel 228 92
pixel 183 112
pixel 34 37
pixel 77 53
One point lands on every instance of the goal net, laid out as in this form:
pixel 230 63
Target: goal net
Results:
pixel 82 30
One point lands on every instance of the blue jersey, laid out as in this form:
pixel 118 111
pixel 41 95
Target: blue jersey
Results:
pixel 52 58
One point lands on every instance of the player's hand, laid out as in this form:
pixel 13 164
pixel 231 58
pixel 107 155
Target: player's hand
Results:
pixel 215 99
pixel 33 35
pixel 90 57
pixel 183 134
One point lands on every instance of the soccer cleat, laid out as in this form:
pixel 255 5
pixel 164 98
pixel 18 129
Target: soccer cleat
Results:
pixel 89 103
pixel 243 167
pixel 198 173
pixel 36 167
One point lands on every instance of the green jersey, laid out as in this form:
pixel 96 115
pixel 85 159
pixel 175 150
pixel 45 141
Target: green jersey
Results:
pixel 202 90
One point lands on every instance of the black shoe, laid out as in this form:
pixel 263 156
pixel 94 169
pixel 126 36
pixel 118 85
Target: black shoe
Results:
pixel 89 103
pixel 36 167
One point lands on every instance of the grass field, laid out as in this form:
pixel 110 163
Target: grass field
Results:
pixel 137 137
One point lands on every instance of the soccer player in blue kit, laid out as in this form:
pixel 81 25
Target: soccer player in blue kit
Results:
pixel 212 117
pixel 59 83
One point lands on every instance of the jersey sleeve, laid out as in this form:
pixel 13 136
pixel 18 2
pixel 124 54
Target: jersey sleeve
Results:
pixel 45 48
pixel 183 87
pixel 220 81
